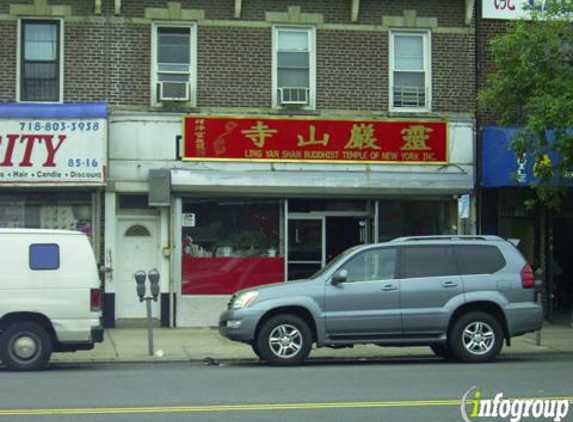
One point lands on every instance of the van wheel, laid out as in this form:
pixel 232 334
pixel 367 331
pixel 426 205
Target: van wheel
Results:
pixel 284 340
pixel 25 346
pixel 476 337
pixel 442 351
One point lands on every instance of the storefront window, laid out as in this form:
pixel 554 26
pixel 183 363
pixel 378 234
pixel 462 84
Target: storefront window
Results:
pixel 47 211
pixel 229 245
pixel 416 218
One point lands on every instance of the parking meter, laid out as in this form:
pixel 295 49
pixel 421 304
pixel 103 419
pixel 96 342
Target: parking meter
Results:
pixel 140 284
pixel 154 283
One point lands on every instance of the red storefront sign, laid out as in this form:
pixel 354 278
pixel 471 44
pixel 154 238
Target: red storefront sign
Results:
pixel 226 138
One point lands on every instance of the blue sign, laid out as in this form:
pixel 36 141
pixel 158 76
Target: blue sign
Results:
pixel 501 166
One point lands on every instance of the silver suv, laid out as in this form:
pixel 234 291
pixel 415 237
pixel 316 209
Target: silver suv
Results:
pixel 460 295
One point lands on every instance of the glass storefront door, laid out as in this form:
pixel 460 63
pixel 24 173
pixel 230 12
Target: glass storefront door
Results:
pixel 306 246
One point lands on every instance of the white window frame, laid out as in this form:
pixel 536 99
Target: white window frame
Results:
pixel 193 55
pixel 427 48
pixel 19 60
pixel 312 65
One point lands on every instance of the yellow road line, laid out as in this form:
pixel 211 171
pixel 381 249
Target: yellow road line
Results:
pixel 245 407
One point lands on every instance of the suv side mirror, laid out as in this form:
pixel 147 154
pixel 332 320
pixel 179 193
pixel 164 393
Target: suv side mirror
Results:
pixel 339 277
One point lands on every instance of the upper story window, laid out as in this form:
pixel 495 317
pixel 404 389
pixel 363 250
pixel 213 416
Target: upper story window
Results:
pixel 294 67
pixel 173 74
pixel 40 63
pixel 410 77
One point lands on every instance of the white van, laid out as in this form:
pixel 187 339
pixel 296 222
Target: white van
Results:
pixel 50 297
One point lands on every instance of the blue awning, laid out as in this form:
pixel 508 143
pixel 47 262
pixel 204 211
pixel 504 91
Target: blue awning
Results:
pixel 501 167
pixel 53 111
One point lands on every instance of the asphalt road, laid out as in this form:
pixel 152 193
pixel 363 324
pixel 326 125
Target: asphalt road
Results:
pixel 385 390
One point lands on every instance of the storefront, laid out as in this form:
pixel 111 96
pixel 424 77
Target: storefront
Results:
pixel 545 235
pixel 52 167
pixel 235 201
pixel 277 212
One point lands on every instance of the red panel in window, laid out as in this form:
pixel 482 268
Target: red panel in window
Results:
pixel 221 276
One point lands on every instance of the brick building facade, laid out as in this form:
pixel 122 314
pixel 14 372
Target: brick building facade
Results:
pixel 365 63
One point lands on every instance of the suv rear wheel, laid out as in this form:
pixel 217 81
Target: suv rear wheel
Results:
pixel 476 337
pixel 25 346
pixel 284 340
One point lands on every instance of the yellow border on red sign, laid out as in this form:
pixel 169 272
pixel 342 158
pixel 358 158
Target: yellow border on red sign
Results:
pixel 275 160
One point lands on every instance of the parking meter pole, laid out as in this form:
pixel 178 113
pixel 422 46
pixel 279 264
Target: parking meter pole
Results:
pixel 539 286
pixel 538 332
pixel 149 326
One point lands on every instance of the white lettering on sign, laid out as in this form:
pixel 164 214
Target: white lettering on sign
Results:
pixel 52 152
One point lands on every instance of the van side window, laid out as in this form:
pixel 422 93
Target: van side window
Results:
pixel 44 256
pixel 427 261
pixel 478 259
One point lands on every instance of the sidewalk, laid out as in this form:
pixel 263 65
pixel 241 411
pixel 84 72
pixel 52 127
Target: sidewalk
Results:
pixel 200 344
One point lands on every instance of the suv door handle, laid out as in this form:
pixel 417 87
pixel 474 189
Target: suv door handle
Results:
pixel 448 284
pixel 389 287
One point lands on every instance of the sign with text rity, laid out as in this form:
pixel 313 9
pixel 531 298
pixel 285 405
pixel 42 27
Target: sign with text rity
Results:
pixel 230 138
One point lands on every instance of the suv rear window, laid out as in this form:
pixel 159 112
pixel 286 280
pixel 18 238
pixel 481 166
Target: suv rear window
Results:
pixel 427 261
pixel 479 259
pixel 44 256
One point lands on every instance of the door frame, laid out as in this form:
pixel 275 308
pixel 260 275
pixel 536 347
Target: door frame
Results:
pixel 133 219
pixel 306 217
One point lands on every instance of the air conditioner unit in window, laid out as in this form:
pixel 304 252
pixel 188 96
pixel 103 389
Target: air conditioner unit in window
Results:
pixel 293 95
pixel 173 91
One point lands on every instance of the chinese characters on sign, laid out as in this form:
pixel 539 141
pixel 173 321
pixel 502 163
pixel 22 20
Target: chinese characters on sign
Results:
pixel 279 139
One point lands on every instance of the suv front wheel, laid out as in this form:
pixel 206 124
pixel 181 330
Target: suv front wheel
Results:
pixel 476 337
pixel 284 340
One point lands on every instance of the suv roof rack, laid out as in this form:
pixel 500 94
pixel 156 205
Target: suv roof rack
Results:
pixel 446 237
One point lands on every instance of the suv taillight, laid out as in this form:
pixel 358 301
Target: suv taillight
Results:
pixel 527 277
pixel 95 300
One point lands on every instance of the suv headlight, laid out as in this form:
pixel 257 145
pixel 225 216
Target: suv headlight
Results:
pixel 244 300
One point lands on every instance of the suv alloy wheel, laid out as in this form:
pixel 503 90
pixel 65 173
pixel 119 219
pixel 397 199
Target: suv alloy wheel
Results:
pixel 476 337
pixel 284 340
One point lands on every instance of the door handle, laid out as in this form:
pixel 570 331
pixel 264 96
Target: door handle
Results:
pixel 448 284
pixel 389 287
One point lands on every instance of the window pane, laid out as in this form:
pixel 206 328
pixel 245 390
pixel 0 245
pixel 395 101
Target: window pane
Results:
pixel 293 78
pixel 173 67
pixel 40 41
pixel 232 245
pixel 416 218
pixel 40 90
pixel 44 257
pixel 293 40
pixel 137 231
pixel 297 60
pixel 40 70
pixel 412 80
pixel 476 259
pixel 372 265
pixel 174 45
pixel 408 52
pixel 169 77
pixel 427 261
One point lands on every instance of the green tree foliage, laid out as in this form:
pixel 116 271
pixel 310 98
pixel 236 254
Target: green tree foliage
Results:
pixel 533 90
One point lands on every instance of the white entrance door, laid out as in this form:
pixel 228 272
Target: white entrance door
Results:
pixel 137 249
